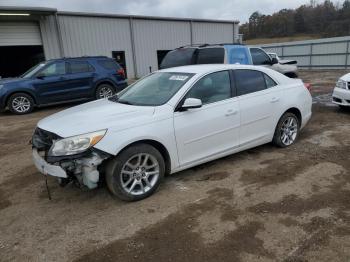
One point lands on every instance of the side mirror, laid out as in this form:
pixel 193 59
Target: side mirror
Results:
pixel 191 103
pixel 274 61
pixel 39 76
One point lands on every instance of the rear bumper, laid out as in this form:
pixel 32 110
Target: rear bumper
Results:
pixel 341 96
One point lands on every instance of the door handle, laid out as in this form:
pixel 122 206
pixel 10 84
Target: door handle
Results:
pixel 275 99
pixel 231 112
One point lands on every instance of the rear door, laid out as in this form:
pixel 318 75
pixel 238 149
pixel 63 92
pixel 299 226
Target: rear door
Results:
pixel 81 75
pixel 212 129
pixel 256 102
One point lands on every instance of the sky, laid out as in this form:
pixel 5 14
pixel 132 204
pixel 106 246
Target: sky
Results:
pixel 208 9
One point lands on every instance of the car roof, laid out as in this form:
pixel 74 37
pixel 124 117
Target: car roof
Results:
pixel 201 69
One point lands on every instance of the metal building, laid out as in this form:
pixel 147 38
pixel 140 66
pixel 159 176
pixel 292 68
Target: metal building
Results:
pixel 29 35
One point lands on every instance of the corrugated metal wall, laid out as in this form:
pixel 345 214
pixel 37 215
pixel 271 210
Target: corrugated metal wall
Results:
pixel 19 33
pixel 151 36
pixel 82 36
pixel 212 33
pixel 94 35
pixel 50 37
pixel 320 53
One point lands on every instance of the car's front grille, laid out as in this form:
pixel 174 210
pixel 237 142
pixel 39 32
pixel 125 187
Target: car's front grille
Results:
pixel 43 139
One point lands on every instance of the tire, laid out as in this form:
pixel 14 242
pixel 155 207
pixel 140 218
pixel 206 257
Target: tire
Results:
pixel 280 138
pixel 21 103
pixel 104 91
pixel 125 176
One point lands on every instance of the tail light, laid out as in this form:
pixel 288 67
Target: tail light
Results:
pixel 308 86
pixel 121 72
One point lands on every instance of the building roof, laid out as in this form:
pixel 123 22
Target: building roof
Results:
pixel 47 11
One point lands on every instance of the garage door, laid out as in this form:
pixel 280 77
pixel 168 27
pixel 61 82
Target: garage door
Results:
pixel 19 33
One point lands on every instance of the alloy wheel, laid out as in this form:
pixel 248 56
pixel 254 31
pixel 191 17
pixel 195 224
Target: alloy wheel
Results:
pixel 105 92
pixel 140 174
pixel 289 131
pixel 21 104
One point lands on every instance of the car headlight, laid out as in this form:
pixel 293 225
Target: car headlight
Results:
pixel 341 84
pixel 76 144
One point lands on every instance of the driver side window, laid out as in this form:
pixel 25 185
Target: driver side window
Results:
pixel 58 68
pixel 260 57
pixel 212 88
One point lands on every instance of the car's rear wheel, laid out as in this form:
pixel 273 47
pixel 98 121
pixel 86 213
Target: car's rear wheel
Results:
pixel 135 173
pixel 20 103
pixel 287 130
pixel 104 91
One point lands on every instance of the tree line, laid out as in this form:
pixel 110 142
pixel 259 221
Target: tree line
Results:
pixel 324 19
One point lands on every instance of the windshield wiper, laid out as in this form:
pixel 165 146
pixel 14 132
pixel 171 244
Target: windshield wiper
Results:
pixel 124 102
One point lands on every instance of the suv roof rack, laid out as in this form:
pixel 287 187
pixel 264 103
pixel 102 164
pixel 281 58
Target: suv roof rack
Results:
pixel 79 57
pixel 205 45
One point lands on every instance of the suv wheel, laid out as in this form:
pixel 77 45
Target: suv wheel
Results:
pixel 21 104
pixel 136 173
pixel 287 130
pixel 104 91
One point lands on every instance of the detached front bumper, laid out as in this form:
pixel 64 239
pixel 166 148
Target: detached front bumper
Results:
pixel 46 168
pixel 341 96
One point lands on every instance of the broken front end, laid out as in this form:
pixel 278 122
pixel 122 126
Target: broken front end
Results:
pixel 71 159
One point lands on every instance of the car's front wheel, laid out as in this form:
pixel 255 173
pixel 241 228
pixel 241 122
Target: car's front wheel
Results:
pixel 20 103
pixel 104 91
pixel 287 130
pixel 135 173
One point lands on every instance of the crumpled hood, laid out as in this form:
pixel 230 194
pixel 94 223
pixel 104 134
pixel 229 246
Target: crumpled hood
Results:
pixel 94 116
pixel 346 77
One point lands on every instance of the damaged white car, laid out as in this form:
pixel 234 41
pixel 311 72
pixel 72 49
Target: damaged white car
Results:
pixel 169 121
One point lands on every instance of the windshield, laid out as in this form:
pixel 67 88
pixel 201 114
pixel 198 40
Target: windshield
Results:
pixel 31 72
pixel 178 57
pixel 153 90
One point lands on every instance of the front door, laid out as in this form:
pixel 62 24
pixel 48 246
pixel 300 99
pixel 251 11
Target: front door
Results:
pixel 50 83
pixel 213 128
pixel 119 57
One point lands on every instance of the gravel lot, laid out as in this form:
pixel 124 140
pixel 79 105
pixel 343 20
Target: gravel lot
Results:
pixel 265 204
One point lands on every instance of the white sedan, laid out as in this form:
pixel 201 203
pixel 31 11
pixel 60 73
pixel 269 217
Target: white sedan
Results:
pixel 341 93
pixel 169 121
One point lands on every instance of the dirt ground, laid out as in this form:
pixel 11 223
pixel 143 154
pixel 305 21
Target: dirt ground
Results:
pixel 264 204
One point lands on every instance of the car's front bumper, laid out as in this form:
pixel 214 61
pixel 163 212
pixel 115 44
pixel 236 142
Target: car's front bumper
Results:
pixel 341 96
pixel 46 168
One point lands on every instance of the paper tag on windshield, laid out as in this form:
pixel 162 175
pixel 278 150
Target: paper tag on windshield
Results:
pixel 178 77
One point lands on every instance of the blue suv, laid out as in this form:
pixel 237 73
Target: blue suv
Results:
pixel 62 80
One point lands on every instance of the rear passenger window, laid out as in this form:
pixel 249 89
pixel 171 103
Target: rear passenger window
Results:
pixel 212 88
pixel 80 67
pixel 211 56
pixel 109 64
pixel 249 81
pixel 269 81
